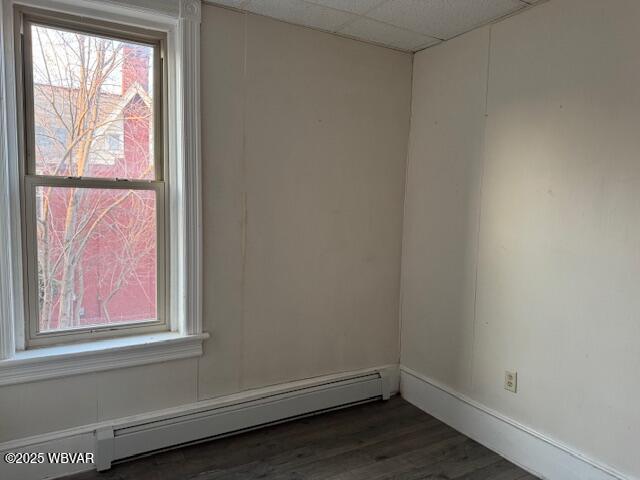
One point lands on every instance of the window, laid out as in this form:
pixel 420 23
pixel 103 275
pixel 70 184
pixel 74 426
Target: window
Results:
pixel 171 30
pixel 114 141
pixel 93 184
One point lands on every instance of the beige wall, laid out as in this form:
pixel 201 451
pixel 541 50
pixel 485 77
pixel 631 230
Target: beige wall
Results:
pixel 304 150
pixel 540 199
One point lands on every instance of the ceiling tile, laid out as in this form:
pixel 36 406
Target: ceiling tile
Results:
pixel 354 6
pixel 300 12
pixel 230 3
pixel 443 18
pixel 367 29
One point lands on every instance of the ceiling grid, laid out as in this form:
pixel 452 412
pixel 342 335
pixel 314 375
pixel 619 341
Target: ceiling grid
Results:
pixel 408 25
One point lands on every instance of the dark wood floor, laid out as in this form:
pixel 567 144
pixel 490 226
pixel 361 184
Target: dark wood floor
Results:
pixel 383 440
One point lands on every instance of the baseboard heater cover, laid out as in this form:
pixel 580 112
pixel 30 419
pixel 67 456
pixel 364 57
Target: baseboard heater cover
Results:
pixel 116 443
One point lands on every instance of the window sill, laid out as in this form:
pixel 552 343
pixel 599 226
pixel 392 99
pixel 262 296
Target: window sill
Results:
pixel 74 359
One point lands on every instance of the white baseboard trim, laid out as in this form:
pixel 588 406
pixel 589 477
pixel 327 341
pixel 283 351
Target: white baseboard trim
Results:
pixel 270 404
pixel 538 454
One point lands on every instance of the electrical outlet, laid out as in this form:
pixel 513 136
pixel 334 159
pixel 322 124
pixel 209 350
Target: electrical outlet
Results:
pixel 511 381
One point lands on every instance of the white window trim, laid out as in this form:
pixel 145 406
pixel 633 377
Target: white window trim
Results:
pixel 185 209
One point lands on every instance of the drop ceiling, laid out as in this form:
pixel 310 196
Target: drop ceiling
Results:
pixel 408 25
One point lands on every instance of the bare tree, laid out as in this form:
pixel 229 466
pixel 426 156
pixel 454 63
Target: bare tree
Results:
pixel 81 110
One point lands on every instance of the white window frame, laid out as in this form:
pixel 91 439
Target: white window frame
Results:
pixel 30 179
pixel 182 28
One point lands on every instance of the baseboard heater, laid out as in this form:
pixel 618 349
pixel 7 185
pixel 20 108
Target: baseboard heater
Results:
pixel 122 442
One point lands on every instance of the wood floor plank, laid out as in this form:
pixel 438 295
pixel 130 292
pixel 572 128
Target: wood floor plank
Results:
pixel 452 462
pixel 336 450
pixel 291 452
pixel 350 458
pixel 390 440
pixel 500 470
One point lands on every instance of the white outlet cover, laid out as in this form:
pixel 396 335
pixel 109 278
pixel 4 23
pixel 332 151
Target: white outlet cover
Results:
pixel 511 381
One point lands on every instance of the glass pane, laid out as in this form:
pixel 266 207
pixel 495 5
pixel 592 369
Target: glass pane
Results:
pixel 93 105
pixel 96 257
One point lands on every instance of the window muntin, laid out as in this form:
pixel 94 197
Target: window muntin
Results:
pixel 93 181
